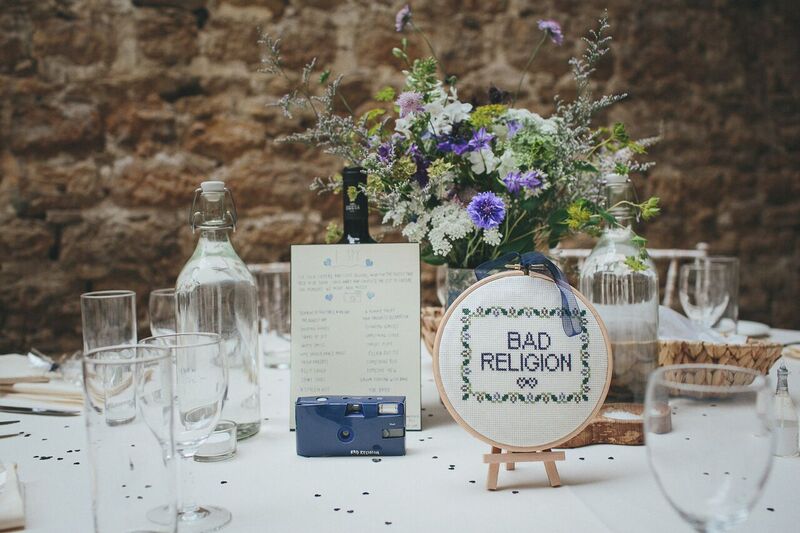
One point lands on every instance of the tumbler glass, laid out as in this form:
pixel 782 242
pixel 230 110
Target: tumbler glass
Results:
pixel 162 312
pixel 275 312
pixel 129 422
pixel 108 318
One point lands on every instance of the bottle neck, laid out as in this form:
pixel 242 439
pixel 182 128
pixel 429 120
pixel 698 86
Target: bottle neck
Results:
pixel 355 207
pixel 783 381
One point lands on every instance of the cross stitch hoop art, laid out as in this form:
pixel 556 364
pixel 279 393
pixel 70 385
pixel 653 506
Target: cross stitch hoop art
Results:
pixel 509 374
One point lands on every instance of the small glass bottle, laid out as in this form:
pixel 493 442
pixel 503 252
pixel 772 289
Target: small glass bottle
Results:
pixel 355 211
pixel 786 426
pixel 626 299
pixel 216 293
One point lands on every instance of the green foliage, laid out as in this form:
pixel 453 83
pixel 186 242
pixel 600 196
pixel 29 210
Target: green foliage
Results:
pixel 386 94
pixel 422 78
pixel 484 116
pixel 333 233
pixel 649 208
pixel 403 168
pixel 324 76
pixel 534 150
pixel 635 264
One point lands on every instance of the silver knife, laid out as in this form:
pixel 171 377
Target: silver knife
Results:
pixel 36 411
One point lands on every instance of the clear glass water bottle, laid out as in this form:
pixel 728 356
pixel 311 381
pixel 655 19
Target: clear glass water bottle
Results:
pixel 216 293
pixel 626 299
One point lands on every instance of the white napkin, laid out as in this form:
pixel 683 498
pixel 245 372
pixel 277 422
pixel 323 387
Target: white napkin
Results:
pixel 12 507
pixel 56 394
pixel 674 326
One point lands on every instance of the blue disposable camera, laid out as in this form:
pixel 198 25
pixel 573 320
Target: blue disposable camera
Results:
pixel 330 426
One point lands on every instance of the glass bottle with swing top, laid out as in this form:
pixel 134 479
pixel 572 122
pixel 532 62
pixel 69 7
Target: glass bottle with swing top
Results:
pixel 216 293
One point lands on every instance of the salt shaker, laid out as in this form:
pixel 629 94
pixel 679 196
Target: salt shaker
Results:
pixel 786 426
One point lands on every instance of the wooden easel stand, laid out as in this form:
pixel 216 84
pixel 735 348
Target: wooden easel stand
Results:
pixel 510 459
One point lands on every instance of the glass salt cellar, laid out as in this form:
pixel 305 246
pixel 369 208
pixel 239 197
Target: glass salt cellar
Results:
pixel 216 293
pixel 786 423
pixel 626 299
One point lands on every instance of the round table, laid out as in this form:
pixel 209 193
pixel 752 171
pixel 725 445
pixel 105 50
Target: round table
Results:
pixel 438 486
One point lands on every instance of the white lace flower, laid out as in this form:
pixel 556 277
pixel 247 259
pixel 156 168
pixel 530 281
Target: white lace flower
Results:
pixel 449 222
pixel 492 237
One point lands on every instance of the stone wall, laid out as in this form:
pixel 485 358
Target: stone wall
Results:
pixel 112 111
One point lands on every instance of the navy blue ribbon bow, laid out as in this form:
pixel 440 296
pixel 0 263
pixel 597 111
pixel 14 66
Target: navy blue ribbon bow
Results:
pixel 569 306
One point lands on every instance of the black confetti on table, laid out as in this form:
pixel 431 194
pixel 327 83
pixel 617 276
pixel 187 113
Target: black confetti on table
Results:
pixel 472 481
pixel 771 509
pixel 376 459
pixel 610 458
pixel 365 493
pixel 337 508
pixel 223 482
pixel 388 523
pixel 59 458
pixel 317 495
pixel 514 492
pixel 705 473
pixel 45 457
pixel 435 457
pixel 76 463
pixel 582 458
pixel 350 511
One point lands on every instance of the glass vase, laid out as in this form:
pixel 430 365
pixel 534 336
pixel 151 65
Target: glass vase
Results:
pixel 458 280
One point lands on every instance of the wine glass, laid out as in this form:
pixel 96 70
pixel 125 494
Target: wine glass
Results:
pixel 704 292
pixel 708 432
pixel 201 383
pixel 275 314
pixel 162 312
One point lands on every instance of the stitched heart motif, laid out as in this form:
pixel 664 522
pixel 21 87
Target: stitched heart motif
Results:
pixel 329 297
pixel 370 295
pixel 527 382
pixel 369 262
pixel 327 262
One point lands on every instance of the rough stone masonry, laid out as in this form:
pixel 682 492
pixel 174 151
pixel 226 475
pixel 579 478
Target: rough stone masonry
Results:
pixel 112 111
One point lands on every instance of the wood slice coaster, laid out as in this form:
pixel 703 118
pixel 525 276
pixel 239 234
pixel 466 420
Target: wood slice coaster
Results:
pixel 617 423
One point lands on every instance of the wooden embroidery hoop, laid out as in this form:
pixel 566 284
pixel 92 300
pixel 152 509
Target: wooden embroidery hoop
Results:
pixel 517 454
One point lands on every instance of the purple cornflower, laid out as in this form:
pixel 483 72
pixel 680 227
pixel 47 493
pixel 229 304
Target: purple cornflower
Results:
pixel 552 29
pixel 409 102
pixel 402 18
pixel 515 181
pixel 513 127
pixel 480 139
pixel 486 210
pixel 450 144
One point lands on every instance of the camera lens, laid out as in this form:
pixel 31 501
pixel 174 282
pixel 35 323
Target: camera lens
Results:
pixel 345 434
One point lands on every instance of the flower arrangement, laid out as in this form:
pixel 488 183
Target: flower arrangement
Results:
pixel 472 182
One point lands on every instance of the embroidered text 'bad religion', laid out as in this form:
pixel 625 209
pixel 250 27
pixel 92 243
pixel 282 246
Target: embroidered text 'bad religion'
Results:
pixel 512 361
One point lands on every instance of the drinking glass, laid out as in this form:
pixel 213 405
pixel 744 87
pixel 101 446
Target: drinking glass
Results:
pixel 108 318
pixel 129 423
pixel 714 460
pixel 273 280
pixel 201 381
pixel 729 318
pixel 162 312
pixel 704 292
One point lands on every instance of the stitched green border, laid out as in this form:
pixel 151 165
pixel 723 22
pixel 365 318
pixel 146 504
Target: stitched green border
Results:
pixel 581 395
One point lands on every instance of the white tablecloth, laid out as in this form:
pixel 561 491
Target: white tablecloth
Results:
pixel 438 486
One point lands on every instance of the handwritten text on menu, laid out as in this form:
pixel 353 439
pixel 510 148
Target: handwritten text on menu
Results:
pixel 355 322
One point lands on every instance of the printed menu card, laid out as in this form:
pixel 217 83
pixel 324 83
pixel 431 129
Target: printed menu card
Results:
pixel 355 323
